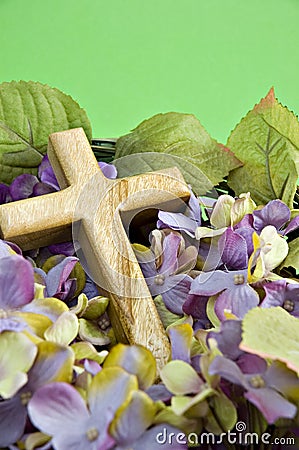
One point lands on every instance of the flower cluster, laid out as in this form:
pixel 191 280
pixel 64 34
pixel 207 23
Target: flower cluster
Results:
pixel 221 277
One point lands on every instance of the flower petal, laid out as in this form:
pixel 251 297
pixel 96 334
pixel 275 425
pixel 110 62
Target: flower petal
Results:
pixel 136 360
pixel 181 340
pixel 16 282
pixel 275 213
pixel 175 291
pixel 53 363
pixel 228 338
pixel 180 378
pixel 227 369
pixel 22 186
pixel 13 369
pixel 109 389
pixel 12 421
pixel 238 300
pixel 271 404
pixel 108 170
pixel 171 246
pixel 55 404
pixel 140 411
pixel 211 283
pixel 275 293
pixel 59 274
pixel 64 329
pixel 292 226
pixel 233 250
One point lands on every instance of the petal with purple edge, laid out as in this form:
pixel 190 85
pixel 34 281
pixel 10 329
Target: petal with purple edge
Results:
pixel 59 274
pixel 140 411
pixel 42 189
pixel 11 323
pixel 160 435
pixel 171 246
pixel 233 250
pixel 55 404
pixel 16 282
pixel 12 421
pixel 5 196
pixel 178 222
pixel 187 260
pixel 271 404
pixel 292 226
pixel 238 300
pixel 181 340
pixel 196 306
pixel 109 389
pixel 275 213
pixel 22 186
pixel 228 338
pixel 174 292
pixel 211 283
pixel 275 293
pixel 108 170
pixel 252 364
pixel 53 363
pixel 46 173
pixel 227 369
pixel 64 248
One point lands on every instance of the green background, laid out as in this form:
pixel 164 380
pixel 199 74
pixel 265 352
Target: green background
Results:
pixel 125 60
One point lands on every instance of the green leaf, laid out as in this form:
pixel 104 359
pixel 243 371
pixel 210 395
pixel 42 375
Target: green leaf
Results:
pixel 292 260
pixel 272 333
pixel 175 139
pixel 224 410
pixel 29 112
pixel 166 316
pixel 267 142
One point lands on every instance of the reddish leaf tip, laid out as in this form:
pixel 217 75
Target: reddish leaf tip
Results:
pixel 267 101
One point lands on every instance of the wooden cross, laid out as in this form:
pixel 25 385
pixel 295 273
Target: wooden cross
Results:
pixel 96 205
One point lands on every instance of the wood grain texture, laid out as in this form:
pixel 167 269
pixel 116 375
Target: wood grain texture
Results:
pixel 92 206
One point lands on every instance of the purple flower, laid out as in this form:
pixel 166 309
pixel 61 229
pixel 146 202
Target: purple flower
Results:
pixel 58 283
pixel 233 249
pixel 280 293
pixel 22 186
pixel 196 306
pixel 187 222
pixel 275 213
pixel 84 426
pixel 228 340
pixel 16 290
pixel 5 196
pixel 109 170
pixel 165 273
pixel 236 295
pixel 46 173
pixel 53 362
pixel 264 389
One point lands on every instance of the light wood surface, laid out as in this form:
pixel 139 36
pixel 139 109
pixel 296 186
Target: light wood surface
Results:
pixel 94 208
